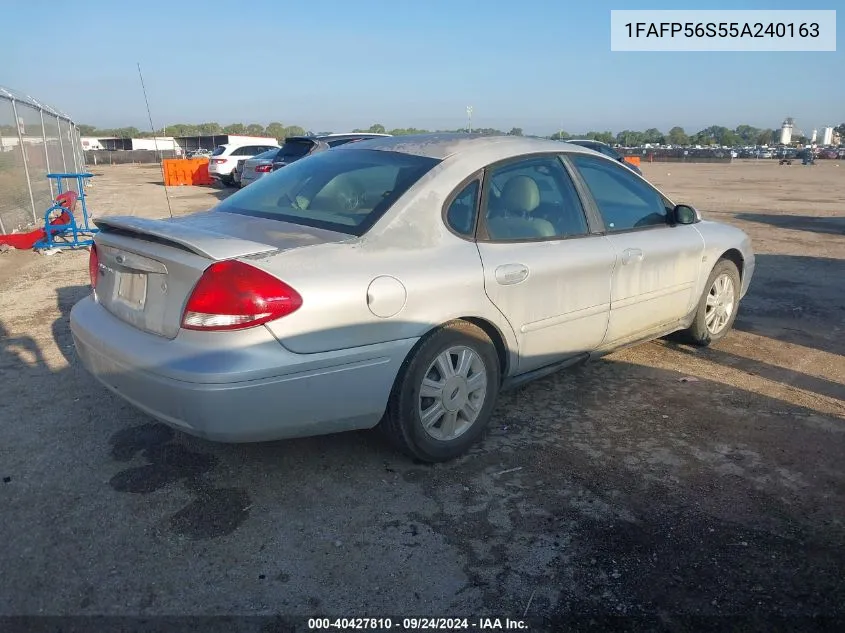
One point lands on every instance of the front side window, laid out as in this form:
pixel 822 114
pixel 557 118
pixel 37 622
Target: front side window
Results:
pixel 533 199
pixel 463 210
pixel 341 191
pixel 624 201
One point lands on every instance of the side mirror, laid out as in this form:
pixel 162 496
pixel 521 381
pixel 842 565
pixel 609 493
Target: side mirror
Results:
pixel 684 214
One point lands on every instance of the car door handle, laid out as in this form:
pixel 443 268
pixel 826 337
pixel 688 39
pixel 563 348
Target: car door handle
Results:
pixel 509 274
pixel 631 254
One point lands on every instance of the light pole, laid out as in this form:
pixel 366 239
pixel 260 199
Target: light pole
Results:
pixel 469 119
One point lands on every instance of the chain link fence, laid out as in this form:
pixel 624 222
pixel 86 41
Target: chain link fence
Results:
pixel 35 140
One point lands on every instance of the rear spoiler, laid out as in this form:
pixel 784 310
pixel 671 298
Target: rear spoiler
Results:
pixel 215 246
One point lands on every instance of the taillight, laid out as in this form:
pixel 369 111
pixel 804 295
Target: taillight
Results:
pixel 232 295
pixel 263 169
pixel 217 161
pixel 93 266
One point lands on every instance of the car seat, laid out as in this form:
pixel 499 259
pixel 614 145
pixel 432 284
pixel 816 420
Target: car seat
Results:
pixel 520 198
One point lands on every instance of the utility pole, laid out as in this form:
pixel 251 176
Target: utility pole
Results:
pixel 469 119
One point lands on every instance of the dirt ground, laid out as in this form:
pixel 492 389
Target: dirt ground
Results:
pixel 661 485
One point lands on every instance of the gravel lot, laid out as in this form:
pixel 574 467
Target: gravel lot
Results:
pixel 614 489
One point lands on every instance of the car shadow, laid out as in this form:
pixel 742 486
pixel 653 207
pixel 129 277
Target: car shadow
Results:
pixel 815 224
pixel 797 299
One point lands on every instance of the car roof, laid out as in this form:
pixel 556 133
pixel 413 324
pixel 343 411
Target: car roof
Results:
pixel 448 144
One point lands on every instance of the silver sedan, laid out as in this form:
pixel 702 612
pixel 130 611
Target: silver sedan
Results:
pixel 401 282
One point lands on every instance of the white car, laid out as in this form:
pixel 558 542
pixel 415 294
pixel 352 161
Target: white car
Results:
pixel 224 159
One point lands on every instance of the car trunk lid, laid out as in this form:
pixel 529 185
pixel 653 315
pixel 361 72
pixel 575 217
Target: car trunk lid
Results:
pixel 148 268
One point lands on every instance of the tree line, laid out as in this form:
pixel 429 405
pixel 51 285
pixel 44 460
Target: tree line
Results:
pixel 712 135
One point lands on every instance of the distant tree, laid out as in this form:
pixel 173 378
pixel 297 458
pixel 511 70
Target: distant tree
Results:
pixel 602 137
pixel 677 136
pixel 182 129
pixel 485 131
pixel 86 130
pixel 376 128
pixel 294 130
pixel 730 138
pixel 653 135
pixel 560 135
pixel 764 137
pixel 255 129
pixel 515 131
pixel 124 132
pixel 630 138
pixel 403 131
pixel 209 129
pixel 747 134
pixel 234 128
pixel 276 130
pixel 840 129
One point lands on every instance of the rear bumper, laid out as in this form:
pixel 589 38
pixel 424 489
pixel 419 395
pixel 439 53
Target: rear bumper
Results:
pixel 247 177
pixel 241 388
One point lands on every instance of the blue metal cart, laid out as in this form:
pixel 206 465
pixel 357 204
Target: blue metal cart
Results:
pixel 72 234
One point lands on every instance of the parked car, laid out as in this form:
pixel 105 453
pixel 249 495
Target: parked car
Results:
pixel 401 282
pixel 224 159
pixel 294 148
pixel 198 153
pixel 607 150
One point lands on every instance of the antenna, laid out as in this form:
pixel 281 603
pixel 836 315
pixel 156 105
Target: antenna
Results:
pixel 155 141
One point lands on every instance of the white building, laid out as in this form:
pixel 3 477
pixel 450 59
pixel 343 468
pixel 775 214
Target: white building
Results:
pixel 827 136
pixel 786 131
pixel 157 144
pixel 91 142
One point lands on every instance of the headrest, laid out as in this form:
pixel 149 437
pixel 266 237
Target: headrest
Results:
pixel 521 194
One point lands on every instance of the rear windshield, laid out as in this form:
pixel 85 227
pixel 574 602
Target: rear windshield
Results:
pixel 218 150
pixel 344 191
pixel 296 148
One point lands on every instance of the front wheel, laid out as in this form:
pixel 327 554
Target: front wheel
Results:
pixel 718 306
pixel 445 393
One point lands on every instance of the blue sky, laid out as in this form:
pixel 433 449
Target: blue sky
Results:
pixel 339 64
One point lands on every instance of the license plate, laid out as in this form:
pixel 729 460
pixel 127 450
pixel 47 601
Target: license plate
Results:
pixel 132 289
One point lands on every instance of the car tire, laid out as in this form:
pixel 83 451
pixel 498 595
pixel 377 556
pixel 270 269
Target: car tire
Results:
pixel 470 387
pixel 236 180
pixel 718 305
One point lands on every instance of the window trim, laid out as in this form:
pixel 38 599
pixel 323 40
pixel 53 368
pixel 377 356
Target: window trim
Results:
pixel 457 191
pixel 594 205
pixel 483 236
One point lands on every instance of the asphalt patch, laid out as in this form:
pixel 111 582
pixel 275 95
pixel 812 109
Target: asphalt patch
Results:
pixel 213 512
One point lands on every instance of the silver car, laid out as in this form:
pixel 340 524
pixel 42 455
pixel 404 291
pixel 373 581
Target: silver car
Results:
pixel 400 281
pixel 257 166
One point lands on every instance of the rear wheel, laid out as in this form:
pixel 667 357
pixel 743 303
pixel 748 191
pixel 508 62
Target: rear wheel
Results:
pixel 718 306
pixel 445 393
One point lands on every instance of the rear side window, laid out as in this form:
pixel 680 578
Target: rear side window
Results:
pixel 463 210
pixel 341 191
